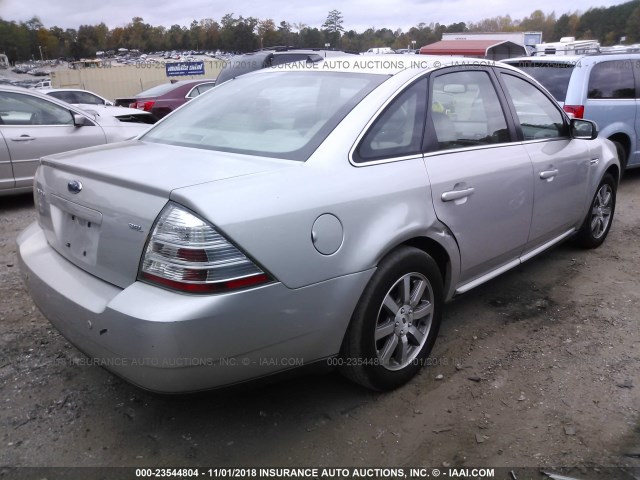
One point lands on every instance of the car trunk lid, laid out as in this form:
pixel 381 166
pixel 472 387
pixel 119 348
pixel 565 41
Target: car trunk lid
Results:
pixel 97 206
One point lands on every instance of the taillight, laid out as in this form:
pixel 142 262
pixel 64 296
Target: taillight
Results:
pixel 574 111
pixel 146 106
pixel 186 253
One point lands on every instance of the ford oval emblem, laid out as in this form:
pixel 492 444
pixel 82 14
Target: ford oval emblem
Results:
pixel 74 186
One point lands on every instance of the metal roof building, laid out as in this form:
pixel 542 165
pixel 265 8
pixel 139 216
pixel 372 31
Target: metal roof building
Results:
pixel 490 49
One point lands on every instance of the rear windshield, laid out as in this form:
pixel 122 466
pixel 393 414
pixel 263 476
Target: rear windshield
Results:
pixel 242 64
pixel 554 76
pixel 278 114
pixel 158 90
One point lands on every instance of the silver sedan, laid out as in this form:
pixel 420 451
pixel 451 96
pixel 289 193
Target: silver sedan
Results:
pixel 309 215
pixel 33 125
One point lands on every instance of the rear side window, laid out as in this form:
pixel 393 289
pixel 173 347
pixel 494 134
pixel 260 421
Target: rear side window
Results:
pixel 538 116
pixel 398 131
pixel 612 79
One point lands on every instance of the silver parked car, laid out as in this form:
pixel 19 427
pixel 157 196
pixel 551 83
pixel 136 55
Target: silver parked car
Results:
pixel 309 215
pixel 33 125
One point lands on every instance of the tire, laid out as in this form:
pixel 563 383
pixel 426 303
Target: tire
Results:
pixel 597 223
pixel 622 155
pixel 395 323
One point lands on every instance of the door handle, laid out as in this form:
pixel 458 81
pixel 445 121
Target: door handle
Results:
pixel 22 138
pixel 456 194
pixel 547 174
pixel 594 161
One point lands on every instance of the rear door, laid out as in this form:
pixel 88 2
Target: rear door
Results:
pixel 33 127
pixel 481 178
pixel 560 164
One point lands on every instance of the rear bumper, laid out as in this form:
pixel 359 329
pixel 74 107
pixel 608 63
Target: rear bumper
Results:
pixel 170 342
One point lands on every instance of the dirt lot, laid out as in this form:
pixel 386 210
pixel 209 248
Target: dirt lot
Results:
pixel 540 368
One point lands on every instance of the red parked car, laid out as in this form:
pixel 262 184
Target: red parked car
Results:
pixel 161 100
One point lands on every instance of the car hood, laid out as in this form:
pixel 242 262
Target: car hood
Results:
pixel 102 225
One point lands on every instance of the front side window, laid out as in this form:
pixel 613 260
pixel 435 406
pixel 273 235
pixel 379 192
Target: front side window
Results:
pixel 398 131
pixel 274 114
pixel 612 79
pixel 466 111
pixel 539 117
pixel 21 109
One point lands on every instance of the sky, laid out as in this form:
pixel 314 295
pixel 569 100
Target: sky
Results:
pixel 358 15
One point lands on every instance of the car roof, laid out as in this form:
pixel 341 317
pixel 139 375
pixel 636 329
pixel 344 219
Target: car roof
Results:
pixel 180 83
pixel 390 64
pixel 64 90
pixel 546 59
pixel 613 55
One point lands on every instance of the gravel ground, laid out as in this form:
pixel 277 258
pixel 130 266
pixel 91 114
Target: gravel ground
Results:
pixel 538 368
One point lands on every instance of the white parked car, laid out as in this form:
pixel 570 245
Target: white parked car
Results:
pixel 97 105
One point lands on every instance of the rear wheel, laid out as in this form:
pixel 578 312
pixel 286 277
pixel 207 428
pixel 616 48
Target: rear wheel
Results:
pixel 396 321
pixel 597 223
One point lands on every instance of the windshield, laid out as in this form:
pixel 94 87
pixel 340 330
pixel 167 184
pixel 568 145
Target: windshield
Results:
pixel 554 76
pixel 280 114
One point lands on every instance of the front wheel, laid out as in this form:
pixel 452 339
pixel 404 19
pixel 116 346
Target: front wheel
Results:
pixel 596 225
pixel 622 155
pixel 396 321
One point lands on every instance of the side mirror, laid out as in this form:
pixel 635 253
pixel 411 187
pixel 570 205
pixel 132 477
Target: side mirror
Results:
pixel 108 103
pixel 583 129
pixel 80 120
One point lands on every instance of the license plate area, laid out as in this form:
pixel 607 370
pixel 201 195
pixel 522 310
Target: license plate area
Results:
pixel 77 229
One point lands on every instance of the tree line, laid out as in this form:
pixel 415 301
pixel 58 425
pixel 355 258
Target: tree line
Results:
pixel 32 40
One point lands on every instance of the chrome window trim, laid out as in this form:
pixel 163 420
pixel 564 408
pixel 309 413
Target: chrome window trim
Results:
pixel 473 148
pixel 388 160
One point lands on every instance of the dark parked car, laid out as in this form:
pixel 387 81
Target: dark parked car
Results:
pixel 163 99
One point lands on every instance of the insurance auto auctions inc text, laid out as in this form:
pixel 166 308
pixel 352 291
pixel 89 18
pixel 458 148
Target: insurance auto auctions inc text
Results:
pixel 309 473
